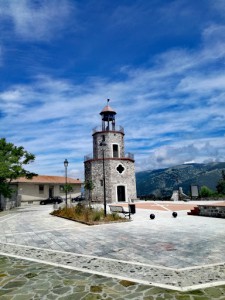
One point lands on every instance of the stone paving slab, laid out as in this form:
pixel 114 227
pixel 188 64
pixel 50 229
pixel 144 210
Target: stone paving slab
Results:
pixel 182 253
pixel 178 279
pixel 165 241
pixel 26 280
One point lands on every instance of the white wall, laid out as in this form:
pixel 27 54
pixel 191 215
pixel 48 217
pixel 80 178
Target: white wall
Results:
pixel 29 192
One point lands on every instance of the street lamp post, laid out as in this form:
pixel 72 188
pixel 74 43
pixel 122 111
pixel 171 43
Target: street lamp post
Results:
pixel 66 165
pixel 103 144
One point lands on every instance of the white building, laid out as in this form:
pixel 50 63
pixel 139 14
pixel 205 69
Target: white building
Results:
pixel 31 191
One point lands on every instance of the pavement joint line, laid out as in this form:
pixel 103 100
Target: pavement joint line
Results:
pixel 91 256
pixel 175 279
pixel 160 205
pixel 155 284
pixel 183 277
pixel 40 231
pixel 118 260
pixel 91 272
pixel 5 219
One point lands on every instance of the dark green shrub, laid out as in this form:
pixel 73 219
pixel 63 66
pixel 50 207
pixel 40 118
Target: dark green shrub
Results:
pixel 79 208
pixel 221 187
pixel 205 192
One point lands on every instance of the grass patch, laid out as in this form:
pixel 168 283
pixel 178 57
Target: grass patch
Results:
pixel 85 214
pixel 127 283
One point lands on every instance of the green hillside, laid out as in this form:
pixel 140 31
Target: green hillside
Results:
pixel 162 182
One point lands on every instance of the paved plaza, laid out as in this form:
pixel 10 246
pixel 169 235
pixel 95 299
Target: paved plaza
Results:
pixel 179 254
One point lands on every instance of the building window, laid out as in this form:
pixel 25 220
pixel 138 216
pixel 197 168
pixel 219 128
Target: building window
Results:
pixel 41 189
pixel 103 138
pixel 61 188
pixel 115 150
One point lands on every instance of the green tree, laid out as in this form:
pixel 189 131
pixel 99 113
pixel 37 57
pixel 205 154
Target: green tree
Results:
pixel 12 161
pixel 223 174
pixel 67 188
pixel 89 186
pixel 221 184
pixel 205 191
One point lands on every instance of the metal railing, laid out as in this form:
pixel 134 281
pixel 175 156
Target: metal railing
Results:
pixel 99 129
pixel 127 155
pixel 88 157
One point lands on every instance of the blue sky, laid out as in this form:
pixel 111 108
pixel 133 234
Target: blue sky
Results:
pixel 160 62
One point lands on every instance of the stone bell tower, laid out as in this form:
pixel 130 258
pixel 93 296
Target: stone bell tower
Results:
pixel 109 168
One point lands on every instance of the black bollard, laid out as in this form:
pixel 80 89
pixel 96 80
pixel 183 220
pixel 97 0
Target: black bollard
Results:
pixel 152 216
pixel 174 214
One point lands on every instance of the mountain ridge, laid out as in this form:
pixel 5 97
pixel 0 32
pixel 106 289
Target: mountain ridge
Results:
pixel 161 182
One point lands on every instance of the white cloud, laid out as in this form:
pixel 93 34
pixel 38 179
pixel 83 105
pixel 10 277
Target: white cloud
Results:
pixel 200 151
pixel 218 6
pixel 60 125
pixel 37 20
pixel 172 112
pixel 202 84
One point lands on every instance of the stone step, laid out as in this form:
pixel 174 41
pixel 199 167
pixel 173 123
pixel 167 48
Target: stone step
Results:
pixel 195 211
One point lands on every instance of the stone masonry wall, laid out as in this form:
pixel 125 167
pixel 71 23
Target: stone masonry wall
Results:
pixel 94 171
pixel 119 171
pixel 111 137
pixel 9 203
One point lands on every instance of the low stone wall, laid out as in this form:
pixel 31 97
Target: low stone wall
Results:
pixel 212 211
pixel 9 203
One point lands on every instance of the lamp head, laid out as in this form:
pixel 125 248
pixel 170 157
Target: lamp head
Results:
pixel 66 163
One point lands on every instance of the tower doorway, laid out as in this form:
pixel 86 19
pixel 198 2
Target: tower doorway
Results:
pixel 121 194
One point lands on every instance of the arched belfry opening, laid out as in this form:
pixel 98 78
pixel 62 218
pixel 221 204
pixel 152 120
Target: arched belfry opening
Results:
pixel 117 183
pixel 108 118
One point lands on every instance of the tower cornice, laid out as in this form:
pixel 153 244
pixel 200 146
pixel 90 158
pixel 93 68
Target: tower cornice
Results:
pixel 106 131
pixel 110 158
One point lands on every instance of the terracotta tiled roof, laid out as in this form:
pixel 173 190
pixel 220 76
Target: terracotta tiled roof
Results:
pixel 48 179
pixel 107 108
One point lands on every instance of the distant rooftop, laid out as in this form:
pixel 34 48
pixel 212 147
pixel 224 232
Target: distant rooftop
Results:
pixel 47 179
